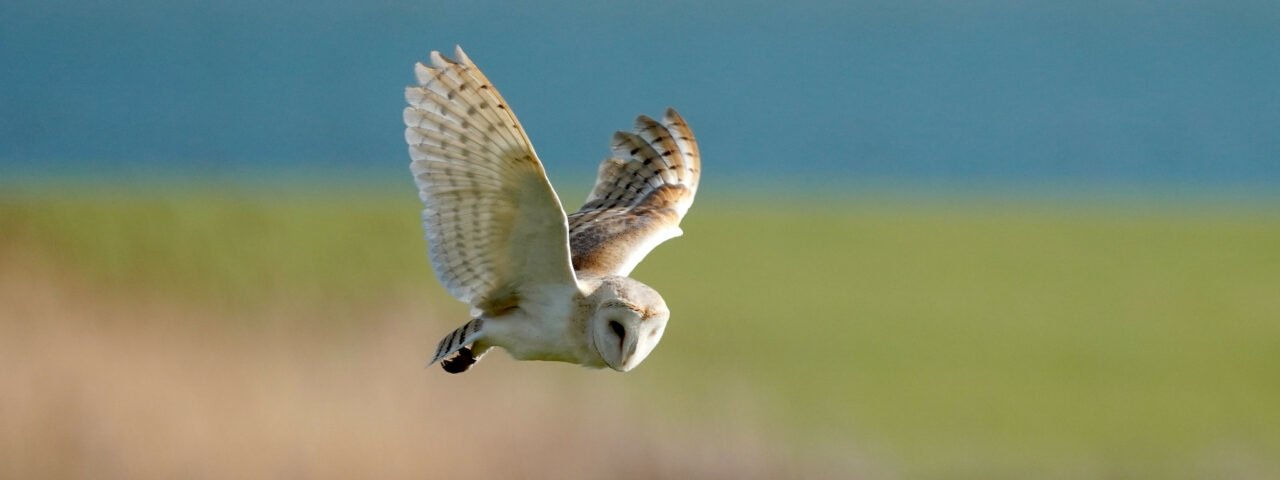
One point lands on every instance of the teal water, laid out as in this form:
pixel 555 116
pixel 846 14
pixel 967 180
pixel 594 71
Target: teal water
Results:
pixel 1096 92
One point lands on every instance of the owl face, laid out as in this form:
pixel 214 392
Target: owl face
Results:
pixel 625 332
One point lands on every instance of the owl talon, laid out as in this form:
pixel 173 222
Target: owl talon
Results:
pixel 460 362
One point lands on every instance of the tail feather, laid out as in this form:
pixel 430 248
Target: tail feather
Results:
pixel 463 336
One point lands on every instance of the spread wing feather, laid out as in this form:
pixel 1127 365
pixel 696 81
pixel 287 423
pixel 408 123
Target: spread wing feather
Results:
pixel 640 196
pixel 494 226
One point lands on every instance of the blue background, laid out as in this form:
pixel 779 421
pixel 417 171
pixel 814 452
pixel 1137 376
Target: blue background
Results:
pixel 1093 92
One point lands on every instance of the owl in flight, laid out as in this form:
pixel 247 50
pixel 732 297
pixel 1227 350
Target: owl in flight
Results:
pixel 542 285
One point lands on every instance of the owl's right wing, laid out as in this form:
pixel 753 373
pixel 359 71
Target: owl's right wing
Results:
pixel 640 196
pixel 495 230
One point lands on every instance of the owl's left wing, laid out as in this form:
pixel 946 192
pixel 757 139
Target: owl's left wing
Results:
pixel 640 196
pixel 496 233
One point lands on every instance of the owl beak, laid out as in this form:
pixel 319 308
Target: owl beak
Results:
pixel 628 355
pixel 625 358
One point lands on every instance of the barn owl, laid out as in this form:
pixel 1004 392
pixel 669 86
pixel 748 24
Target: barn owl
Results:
pixel 541 285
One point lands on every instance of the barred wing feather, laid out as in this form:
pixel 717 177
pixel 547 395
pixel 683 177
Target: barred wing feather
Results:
pixel 640 196
pixel 495 229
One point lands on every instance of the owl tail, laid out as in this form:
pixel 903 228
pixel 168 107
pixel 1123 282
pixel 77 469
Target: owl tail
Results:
pixel 458 340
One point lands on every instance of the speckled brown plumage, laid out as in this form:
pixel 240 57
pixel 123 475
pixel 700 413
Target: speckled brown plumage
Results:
pixel 640 196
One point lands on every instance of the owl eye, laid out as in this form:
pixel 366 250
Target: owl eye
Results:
pixel 618 330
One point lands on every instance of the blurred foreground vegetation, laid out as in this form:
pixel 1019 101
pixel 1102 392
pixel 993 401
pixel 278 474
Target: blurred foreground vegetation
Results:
pixel 970 339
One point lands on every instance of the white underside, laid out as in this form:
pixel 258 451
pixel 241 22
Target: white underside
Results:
pixel 545 327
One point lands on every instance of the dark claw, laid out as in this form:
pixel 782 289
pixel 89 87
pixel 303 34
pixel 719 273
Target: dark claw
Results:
pixel 460 362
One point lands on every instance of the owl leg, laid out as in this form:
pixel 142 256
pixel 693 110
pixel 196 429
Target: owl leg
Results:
pixel 465 358
pixel 460 362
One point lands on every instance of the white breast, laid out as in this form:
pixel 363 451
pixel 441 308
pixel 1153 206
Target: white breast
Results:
pixel 547 326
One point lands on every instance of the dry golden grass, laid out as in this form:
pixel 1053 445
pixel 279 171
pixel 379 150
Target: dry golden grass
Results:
pixel 102 384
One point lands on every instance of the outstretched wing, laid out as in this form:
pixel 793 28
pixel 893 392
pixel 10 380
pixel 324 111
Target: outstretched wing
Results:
pixel 640 196
pixel 495 229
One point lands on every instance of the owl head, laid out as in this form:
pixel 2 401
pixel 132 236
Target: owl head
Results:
pixel 627 323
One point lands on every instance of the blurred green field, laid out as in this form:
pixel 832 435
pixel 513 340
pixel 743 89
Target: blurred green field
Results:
pixel 980 338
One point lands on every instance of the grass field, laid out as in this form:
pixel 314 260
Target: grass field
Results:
pixel 978 338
